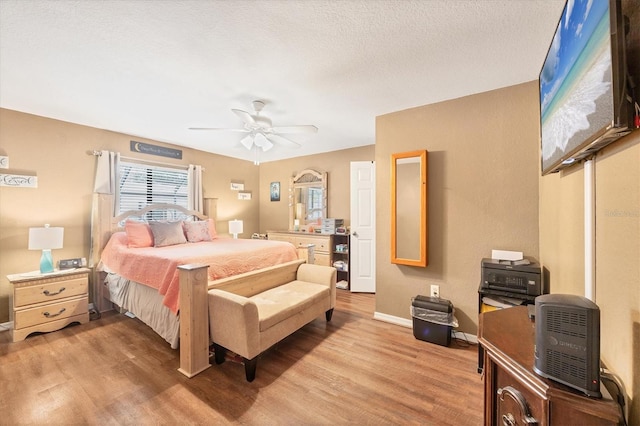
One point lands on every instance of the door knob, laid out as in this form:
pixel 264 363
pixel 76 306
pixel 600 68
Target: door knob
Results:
pixel 355 234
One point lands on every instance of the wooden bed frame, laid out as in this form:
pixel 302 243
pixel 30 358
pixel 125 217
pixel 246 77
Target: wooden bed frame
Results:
pixel 194 315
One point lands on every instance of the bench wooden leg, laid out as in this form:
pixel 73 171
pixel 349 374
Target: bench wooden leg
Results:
pixel 219 353
pixel 328 314
pixel 250 368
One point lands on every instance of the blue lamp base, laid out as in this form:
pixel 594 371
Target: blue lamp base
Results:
pixel 46 262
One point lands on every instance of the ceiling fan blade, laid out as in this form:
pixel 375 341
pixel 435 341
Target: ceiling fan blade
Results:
pixel 244 116
pixel 282 140
pixel 304 128
pixel 247 141
pixel 219 129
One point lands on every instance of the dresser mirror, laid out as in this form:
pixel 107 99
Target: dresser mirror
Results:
pixel 409 227
pixel 307 199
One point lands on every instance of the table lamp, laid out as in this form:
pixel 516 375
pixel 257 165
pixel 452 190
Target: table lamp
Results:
pixel 235 227
pixel 46 239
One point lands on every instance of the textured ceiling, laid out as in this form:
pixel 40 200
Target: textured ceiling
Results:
pixel 154 68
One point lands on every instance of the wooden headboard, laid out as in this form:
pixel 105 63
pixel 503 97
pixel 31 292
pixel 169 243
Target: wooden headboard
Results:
pixel 104 224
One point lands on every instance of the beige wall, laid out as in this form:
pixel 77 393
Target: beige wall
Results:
pixel 274 215
pixel 483 193
pixel 56 152
pixel 617 177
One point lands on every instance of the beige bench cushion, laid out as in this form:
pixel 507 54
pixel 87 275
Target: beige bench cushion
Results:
pixel 284 301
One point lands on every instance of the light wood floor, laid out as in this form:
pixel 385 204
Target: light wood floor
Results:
pixel 353 370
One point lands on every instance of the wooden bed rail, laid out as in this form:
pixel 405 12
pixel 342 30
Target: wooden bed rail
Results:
pixel 252 282
pixel 194 320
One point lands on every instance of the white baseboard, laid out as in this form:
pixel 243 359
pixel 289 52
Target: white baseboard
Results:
pixel 5 326
pixel 471 338
pixel 393 320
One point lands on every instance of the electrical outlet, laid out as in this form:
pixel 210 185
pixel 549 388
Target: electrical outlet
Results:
pixel 435 290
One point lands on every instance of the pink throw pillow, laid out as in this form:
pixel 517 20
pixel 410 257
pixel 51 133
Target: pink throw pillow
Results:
pixel 212 229
pixel 196 231
pixel 138 234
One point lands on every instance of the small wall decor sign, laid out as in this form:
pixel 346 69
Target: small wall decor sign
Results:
pixel 274 190
pixel 236 186
pixel 146 148
pixel 244 195
pixel 18 181
pixel 4 162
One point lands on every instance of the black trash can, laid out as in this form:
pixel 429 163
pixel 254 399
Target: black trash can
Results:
pixel 433 319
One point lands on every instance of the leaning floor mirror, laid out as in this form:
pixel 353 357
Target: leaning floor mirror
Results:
pixel 409 226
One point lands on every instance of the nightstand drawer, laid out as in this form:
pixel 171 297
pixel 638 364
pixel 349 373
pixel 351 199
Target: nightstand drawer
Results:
pixel 50 312
pixel 49 291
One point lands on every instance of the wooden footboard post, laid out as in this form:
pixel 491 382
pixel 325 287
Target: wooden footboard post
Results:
pixel 194 320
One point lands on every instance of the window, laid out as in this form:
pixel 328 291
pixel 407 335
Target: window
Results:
pixel 141 185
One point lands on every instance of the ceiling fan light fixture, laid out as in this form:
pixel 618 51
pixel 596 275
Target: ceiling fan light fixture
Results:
pixel 247 141
pixel 262 141
pixel 267 145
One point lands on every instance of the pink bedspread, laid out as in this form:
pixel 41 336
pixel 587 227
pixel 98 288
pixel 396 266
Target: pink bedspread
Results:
pixel 157 266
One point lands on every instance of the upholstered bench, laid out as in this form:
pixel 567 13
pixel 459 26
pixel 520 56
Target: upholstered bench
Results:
pixel 249 313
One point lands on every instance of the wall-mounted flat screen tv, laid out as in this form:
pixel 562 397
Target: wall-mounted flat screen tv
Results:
pixel 583 102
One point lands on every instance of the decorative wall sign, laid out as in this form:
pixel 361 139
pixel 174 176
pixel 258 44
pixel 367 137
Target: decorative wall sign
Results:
pixel 4 162
pixel 161 151
pixel 244 195
pixel 18 181
pixel 235 186
pixel 275 191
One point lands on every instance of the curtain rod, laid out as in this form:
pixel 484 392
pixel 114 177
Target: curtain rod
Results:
pixel 175 166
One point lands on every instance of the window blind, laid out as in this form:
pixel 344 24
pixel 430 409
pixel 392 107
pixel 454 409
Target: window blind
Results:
pixel 143 184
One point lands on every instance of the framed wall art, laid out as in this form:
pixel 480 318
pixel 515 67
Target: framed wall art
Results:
pixel 274 190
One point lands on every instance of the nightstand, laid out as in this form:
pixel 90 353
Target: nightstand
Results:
pixel 48 302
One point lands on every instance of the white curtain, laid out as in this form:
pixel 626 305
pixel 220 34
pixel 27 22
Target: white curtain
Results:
pixel 106 181
pixel 195 201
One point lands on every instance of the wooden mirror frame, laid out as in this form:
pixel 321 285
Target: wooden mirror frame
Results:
pixel 306 179
pixel 417 189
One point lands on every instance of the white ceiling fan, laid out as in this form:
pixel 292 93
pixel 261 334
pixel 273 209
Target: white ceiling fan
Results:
pixel 262 135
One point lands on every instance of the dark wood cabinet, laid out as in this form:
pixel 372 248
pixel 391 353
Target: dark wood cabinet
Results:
pixel 341 259
pixel 524 298
pixel 515 395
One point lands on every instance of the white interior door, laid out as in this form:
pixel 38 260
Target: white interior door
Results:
pixel 362 248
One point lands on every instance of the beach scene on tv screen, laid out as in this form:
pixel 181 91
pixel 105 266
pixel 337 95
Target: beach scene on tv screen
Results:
pixel 576 96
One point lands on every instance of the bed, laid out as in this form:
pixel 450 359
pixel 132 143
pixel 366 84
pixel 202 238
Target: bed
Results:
pixel 142 278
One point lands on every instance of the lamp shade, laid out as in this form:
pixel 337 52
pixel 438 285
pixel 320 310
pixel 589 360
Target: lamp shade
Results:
pixel 235 227
pixel 46 238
